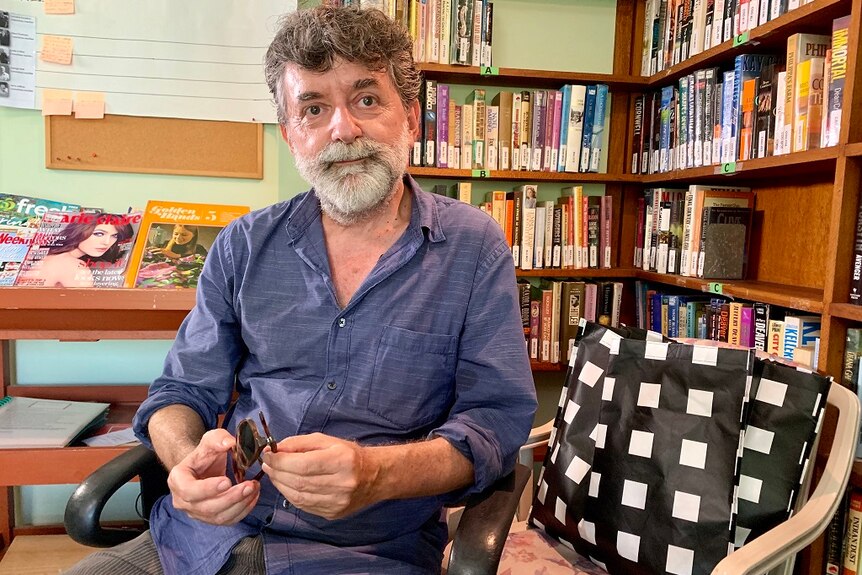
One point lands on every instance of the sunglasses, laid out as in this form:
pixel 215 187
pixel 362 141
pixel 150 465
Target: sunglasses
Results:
pixel 249 446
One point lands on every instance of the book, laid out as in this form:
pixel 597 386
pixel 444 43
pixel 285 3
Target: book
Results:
pixel 724 231
pixel 852 351
pixel 27 422
pixel 838 75
pixel 79 249
pixel 174 240
pixel 800 47
pixel 852 534
pixel 835 539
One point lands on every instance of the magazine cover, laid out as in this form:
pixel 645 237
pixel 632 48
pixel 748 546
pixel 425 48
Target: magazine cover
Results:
pixel 16 235
pixel 20 217
pixel 174 241
pixel 79 249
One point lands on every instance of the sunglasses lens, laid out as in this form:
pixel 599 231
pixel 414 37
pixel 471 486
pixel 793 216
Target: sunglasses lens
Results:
pixel 246 442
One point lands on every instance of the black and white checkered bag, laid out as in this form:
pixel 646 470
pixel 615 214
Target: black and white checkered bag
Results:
pixel 643 473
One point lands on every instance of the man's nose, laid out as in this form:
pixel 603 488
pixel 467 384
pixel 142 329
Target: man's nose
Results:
pixel 344 126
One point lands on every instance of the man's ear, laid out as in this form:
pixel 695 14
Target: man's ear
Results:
pixel 285 136
pixel 413 120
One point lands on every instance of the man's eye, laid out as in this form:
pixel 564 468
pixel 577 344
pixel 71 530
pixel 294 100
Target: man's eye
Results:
pixel 313 110
pixel 368 100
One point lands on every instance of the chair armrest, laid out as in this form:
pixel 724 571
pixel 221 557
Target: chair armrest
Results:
pixel 481 534
pixel 776 545
pixel 84 508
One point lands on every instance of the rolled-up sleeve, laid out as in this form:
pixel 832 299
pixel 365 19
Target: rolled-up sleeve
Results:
pixel 200 368
pixel 496 397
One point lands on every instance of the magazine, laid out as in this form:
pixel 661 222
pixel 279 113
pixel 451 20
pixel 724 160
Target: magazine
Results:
pixel 20 217
pixel 79 249
pixel 174 241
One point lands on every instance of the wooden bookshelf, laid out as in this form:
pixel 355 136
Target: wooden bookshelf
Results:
pixel 803 299
pixel 800 258
pixel 522 176
pixel 526 79
pixel 853 150
pixel 587 273
pixel 750 171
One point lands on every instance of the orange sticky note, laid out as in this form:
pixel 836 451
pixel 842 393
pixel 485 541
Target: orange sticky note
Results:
pixel 56 103
pixel 59 6
pixel 57 49
pixel 89 105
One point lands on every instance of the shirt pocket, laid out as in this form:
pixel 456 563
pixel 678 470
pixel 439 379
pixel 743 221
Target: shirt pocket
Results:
pixel 413 375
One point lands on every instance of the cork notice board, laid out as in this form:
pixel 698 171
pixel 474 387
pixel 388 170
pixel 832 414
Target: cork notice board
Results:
pixel 155 146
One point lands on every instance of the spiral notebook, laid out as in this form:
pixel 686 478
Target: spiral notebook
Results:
pixel 28 422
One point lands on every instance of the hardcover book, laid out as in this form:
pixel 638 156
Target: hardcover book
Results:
pixel 173 242
pixel 723 242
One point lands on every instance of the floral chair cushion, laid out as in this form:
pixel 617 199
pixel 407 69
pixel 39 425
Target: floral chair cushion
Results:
pixel 532 552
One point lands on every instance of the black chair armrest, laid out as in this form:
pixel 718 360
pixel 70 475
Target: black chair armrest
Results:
pixel 487 517
pixel 84 508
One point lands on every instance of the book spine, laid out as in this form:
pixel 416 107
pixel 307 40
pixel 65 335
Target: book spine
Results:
pixel 476 35
pixel 565 112
pixel 761 325
pixel 576 128
pixel 535 328
pixel 607 211
pixel 586 139
pixel 852 535
pixel 636 134
pixel 598 127
pixel 838 74
pixel 492 128
pixel 442 126
pixel 430 122
pixel 856 271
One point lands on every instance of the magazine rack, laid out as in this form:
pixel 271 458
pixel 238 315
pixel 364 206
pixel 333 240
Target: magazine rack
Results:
pixel 75 315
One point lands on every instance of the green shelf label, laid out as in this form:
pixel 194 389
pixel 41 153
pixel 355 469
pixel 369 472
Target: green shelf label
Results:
pixel 728 168
pixel 715 287
pixel 481 173
pixel 489 71
pixel 740 39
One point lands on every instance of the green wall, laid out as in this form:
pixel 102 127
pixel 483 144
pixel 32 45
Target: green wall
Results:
pixel 569 35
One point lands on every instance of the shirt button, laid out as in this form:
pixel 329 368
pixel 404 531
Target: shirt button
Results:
pixel 342 322
pixel 331 385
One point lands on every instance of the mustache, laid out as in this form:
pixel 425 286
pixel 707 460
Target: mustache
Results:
pixel 343 152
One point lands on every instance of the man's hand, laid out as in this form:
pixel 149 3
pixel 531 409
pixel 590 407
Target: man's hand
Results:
pixel 200 488
pixel 324 475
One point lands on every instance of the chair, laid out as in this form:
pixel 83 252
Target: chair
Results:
pixel 775 549
pixel 489 512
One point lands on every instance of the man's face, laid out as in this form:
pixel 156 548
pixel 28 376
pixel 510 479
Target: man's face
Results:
pixel 350 134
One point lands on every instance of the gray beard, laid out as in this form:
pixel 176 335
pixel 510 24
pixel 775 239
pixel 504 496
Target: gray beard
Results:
pixel 352 193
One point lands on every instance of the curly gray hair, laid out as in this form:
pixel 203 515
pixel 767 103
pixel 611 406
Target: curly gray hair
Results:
pixel 314 38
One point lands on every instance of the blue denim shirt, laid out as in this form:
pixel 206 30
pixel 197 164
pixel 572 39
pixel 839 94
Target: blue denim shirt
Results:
pixel 431 344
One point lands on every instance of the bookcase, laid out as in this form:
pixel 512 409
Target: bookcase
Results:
pixel 75 315
pixel 801 252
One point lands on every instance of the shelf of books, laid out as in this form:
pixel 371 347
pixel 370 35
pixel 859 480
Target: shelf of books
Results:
pixel 769 35
pixel 493 76
pixel 820 160
pixel 793 297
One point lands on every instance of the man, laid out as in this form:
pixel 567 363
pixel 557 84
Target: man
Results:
pixel 376 326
